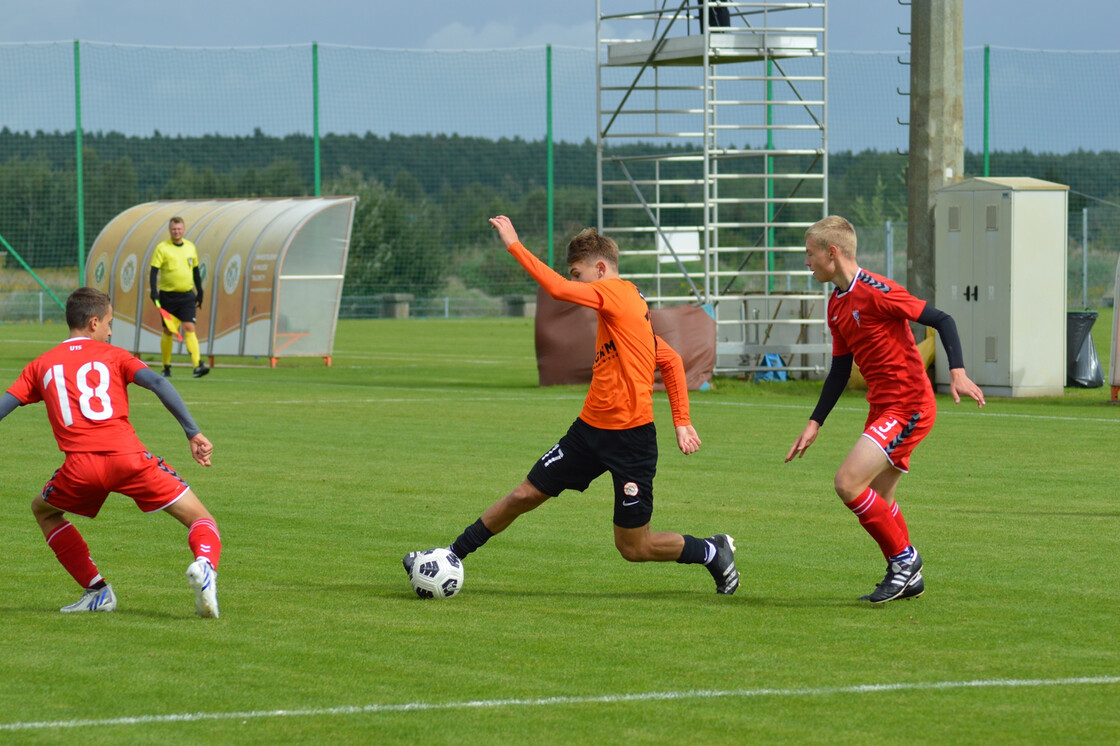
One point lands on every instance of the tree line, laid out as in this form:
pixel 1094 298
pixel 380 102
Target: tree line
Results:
pixel 424 198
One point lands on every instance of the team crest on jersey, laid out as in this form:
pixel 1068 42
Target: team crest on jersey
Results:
pixel 855 315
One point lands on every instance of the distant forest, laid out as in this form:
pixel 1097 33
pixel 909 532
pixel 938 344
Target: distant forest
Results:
pixel 417 192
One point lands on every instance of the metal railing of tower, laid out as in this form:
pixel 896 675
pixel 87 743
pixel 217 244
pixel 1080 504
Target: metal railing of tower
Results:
pixel 712 161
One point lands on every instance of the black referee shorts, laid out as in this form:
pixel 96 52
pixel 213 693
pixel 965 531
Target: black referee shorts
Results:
pixel 585 452
pixel 179 305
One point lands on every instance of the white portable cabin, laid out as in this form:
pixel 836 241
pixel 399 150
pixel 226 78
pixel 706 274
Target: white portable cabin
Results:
pixel 1000 266
pixel 272 272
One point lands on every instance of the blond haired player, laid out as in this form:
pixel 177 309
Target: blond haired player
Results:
pixel 175 285
pixel 869 317
pixel 614 432
pixel 82 382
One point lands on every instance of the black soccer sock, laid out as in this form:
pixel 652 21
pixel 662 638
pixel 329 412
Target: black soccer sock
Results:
pixel 98 585
pixel 474 536
pixel 694 552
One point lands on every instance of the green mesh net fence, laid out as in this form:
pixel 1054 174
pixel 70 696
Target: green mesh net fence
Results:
pixel 435 142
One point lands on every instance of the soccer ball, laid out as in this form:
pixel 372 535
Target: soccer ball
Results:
pixel 437 573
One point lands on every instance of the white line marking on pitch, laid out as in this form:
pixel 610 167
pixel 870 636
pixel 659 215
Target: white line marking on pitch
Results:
pixel 189 717
pixel 570 397
pixel 940 412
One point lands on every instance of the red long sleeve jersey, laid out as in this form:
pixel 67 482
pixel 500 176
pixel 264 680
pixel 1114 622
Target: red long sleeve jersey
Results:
pixel 869 321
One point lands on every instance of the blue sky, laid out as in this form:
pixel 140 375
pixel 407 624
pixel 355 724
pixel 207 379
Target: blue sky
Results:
pixel 858 25
pixel 131 82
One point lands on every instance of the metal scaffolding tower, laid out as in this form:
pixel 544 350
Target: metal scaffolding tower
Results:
pixel 712 162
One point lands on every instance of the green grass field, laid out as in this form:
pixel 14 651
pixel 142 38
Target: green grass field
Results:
pixel 324 477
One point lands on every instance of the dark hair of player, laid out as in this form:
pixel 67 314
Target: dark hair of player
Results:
pixel 84 304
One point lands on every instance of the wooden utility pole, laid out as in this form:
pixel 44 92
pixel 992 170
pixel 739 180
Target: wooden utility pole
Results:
pixel 936 127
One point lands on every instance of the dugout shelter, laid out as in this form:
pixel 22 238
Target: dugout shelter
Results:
pixel 272 273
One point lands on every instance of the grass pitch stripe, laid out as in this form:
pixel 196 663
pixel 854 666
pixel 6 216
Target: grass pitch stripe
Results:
pixel 189 717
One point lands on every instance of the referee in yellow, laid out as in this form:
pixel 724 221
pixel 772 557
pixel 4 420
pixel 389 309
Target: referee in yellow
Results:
pixel 178 291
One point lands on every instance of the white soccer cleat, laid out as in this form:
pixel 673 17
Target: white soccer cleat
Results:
pixel 100 599
pixel 204 580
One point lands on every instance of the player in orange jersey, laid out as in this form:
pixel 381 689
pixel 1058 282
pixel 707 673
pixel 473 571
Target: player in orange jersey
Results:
pixel 614 432
pixel 83 383
pixel 868 316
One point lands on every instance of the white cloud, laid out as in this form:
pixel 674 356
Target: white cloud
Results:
pixel 499 35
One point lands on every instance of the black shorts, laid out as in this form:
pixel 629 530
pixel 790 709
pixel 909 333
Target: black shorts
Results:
pixel 179 305
pixel 585 452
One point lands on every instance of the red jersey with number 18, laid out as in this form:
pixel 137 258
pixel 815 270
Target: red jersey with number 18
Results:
pixel 869 320
pixel 82 382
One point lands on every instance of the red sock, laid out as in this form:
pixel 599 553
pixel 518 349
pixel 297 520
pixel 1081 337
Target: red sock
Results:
pixel 73 553
pixel 897 513
pixel 876 519
pixel 205 541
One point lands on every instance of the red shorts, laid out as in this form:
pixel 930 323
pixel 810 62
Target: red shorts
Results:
pixel 85 479
pixel 899 429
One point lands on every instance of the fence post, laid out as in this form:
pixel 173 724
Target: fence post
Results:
pixel 987 104
pixel 1084 257
pixel 78 163
pixel 890 250
pixel 548 138
pixel 315 115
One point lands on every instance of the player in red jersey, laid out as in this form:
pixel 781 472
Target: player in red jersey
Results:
pixel 82 383
pixel 868 316
pixel 614 432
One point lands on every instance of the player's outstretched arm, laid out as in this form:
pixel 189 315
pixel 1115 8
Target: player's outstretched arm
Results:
pixel 834 383
pixel 687 439
pixel 505 230
pixel 169 397
pixel 201 449
pixel 8 404
pixel 960 383
pixel 804 440
pixel 551 281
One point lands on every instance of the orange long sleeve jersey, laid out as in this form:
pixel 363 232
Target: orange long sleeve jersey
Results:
pixel 626 349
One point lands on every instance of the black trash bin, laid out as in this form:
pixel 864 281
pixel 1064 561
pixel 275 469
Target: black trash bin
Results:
pixel 1083 367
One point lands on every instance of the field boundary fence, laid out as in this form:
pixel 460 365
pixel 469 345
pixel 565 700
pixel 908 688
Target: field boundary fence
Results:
pixel 434 142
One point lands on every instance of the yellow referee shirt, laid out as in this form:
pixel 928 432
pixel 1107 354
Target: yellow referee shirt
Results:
pixel 176 266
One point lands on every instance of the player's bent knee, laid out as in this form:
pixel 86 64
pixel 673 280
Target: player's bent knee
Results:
pixel 847 488
pixel 46 515
pixel 526 497
pixel 41 508
pixel 632 552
